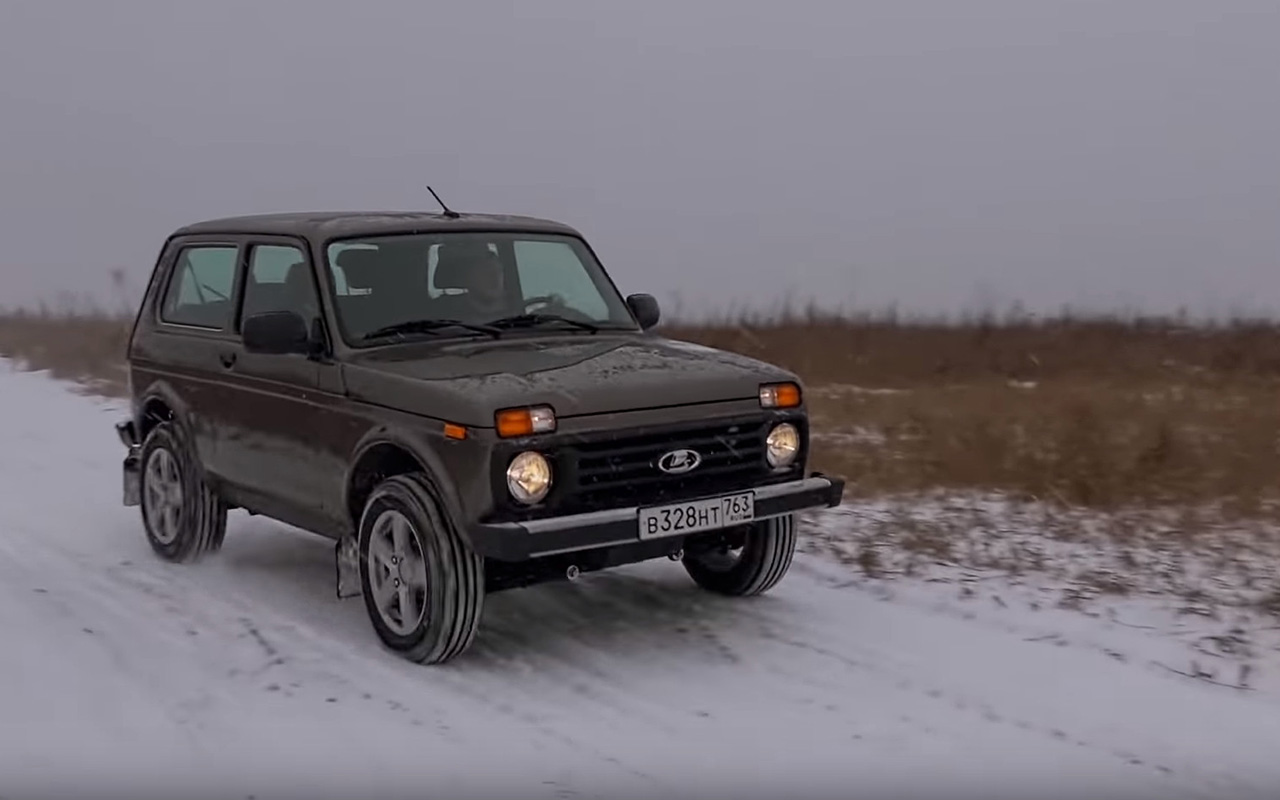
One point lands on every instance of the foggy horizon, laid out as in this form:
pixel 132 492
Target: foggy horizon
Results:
pixel 936 156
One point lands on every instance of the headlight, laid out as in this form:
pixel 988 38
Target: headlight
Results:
pixel 782 445
pixel 529 477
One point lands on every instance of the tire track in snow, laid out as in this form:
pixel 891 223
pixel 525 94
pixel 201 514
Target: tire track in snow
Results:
pixel 1199 780
pixel 233 640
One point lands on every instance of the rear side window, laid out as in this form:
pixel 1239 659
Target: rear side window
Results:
pixel 201 287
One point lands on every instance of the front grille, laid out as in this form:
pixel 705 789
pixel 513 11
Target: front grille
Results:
pixel 612 470
pixel 623 470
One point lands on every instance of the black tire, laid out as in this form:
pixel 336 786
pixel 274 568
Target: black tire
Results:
pixel 764 558
pixel 455 587
pixel 201 516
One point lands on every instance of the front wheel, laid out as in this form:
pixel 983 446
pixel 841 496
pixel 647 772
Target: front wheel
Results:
pixel 423 585
pixel 754 568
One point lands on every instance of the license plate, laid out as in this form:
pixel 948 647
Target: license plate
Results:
pixel 697 515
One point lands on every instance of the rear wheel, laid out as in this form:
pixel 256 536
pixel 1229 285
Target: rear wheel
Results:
pixel 423 585
pixel 752 569
pixel 183 518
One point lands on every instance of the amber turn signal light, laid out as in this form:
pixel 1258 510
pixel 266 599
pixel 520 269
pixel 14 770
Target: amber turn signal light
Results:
pixel 513 422
pixel 780 395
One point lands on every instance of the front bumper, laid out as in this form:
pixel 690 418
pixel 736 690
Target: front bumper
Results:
pixel 517 541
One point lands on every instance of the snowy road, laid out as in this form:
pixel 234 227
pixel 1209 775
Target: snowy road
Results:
pixel 244 676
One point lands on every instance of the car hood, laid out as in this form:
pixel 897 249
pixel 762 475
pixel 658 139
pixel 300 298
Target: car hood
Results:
pixel 578 374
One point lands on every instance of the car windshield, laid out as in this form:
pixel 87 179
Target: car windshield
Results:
pixel 469 284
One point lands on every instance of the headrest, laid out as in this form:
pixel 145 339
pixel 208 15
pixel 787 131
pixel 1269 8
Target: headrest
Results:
pixel 456 261
pixel 289 269
pixel 297 278
pixel 359 266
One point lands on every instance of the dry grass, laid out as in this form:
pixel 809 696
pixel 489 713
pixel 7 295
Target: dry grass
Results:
pixel 79 346
pixel 1096 412
pixel 1080 442
pixel 886 352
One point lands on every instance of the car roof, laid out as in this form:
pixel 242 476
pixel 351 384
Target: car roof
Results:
pixel 343 224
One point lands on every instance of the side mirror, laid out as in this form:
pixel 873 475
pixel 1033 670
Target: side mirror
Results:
pixel 645 308
pixel 276 333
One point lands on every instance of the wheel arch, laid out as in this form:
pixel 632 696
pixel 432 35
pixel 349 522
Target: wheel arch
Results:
pixel 158 403
pixel 385 452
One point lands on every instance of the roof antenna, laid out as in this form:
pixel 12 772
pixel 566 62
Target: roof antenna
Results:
pixel 448 212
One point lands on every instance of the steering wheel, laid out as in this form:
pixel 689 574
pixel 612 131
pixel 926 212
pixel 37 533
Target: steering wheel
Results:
pixel 544 301
pixel 554 304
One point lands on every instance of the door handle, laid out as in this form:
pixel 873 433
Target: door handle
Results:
pixel 228 359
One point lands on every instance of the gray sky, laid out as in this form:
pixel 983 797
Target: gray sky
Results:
pixel 941 155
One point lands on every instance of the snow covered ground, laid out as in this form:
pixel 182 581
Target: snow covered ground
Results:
pixel 243 676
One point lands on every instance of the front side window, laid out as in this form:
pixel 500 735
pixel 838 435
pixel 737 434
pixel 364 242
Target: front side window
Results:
pixel 279 279
pixel 201 287
pixel 508 280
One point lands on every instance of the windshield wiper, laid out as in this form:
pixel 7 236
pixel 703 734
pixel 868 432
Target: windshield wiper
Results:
pixel 431 326
pixel 534 320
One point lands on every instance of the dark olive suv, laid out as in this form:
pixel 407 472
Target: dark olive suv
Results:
pixel 464 403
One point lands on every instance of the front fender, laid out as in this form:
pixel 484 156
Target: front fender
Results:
pixel 419 447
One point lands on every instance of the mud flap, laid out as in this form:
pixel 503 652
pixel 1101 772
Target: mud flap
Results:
pixel 347 564
pixel 130 468
pixel 132 481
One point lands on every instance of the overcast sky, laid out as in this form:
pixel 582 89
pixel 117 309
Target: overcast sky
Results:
pixel 941 155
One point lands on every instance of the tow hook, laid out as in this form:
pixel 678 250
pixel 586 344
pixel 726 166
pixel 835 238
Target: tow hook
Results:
pixel 677 555
pixel 572 572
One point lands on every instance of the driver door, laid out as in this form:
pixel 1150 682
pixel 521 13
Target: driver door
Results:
pixel 282 405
